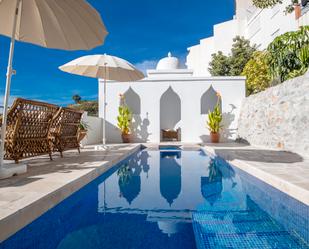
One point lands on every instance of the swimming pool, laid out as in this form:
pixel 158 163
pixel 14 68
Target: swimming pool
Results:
pixel 170 198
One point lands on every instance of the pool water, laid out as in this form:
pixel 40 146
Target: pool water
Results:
pixel 170 199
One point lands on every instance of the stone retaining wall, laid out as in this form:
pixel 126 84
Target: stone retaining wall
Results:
pixel 278 117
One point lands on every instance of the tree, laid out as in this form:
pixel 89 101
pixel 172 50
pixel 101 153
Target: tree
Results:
pixel 219 65
pixel 242 52
pixel 289 54
pixel 77 98
pixel 233 64
pixel 257 73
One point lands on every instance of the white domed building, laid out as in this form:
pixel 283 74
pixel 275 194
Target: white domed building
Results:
pixel 168 63
pixel 172 104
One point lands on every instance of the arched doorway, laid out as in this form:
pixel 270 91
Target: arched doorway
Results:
pixel 170 115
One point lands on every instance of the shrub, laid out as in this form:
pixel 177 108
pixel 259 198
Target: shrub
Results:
pixel 289 54
pixel 257 73
pixel 91 107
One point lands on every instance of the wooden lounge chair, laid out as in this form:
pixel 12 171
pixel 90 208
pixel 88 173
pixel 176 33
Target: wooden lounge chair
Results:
pixel 28 126
pixel 64 130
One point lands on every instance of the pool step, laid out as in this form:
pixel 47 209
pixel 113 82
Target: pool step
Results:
pixel 244 229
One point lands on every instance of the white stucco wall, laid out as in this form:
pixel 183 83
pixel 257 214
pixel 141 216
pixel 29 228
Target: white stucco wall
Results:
pixel 259 26
pixel 265 25
pixel 199 56
pixel 189 89
pixel 95 130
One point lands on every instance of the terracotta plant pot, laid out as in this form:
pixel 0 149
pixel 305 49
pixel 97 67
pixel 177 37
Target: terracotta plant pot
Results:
pixel 126 138
pixel 81 135
pixel 214 137
pixel 297 10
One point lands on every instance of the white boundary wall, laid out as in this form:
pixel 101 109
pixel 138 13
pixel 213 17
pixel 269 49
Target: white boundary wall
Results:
pixel 95 130
pixel 190 91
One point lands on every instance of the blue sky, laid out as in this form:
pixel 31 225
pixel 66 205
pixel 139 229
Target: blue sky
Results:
pixel 141 31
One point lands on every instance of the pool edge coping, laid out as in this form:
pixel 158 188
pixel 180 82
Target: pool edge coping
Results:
pixel 22 217
pixel 292 190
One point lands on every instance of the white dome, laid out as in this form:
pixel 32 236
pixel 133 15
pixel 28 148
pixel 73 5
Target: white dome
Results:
pixel 168 63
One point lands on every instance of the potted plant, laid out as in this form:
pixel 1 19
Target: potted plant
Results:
pixel 296 7
pixel 214 122
pixel 82 131
pixel 124 120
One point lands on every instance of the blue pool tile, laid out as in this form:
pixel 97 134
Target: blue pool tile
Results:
pixel 173 199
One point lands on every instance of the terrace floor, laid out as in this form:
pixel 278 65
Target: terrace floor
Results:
pixel 286 171
pixel 25 197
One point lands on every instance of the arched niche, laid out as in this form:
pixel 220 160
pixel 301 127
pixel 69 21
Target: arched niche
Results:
pixel 170 109
pixel 133 101
pixel 209 100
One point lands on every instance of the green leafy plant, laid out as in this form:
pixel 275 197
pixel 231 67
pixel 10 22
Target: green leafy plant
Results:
pixel 124 117
pixel 289 54
pixel 257 73
pixel 233 64
pixel 219 65
pixel 215 118
pixel 263 4
pixel 83 126
pixel 291 7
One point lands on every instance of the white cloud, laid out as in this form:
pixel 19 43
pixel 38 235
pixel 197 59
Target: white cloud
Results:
pixel 147 64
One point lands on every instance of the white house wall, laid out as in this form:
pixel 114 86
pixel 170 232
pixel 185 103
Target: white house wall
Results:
pixel 200 55
pixel 190 91
pixel 261 27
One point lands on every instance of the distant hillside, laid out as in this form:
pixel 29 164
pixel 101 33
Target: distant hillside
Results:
pixel 90 106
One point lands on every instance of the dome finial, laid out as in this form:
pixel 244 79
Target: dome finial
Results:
pixel 168 63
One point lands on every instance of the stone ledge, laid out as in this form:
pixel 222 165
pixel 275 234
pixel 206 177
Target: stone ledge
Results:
pixel 290 177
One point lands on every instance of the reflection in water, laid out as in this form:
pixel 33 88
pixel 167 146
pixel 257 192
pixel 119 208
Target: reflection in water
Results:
pixel 170 175
pixel 129 180
pixel 211 186
pixel 144 161
pixel 225 206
